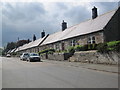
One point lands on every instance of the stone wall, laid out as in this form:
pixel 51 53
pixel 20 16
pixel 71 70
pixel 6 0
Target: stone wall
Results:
pixel 56 56
pixel 43 56
pixel 95 57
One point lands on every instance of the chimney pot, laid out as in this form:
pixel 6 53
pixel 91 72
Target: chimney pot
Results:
pixel 42 34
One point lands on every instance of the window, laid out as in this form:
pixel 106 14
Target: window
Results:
pixel 72 43
pixel 91 40
pixel 57 46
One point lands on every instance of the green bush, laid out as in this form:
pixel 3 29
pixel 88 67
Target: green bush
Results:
pixel 64 51
pixel 46 51
pixel 14 53
pixel 113 45
pixel 84 48
pixel 117 48
pixel 110 46
pixel 71 49
pixel 92 46
pixel 50 52
pixel 77 47
pixel 102 47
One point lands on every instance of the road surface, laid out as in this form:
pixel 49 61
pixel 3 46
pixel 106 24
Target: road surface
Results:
pixel 22 74
pixel 0 73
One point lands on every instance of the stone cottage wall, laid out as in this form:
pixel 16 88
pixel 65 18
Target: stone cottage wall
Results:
pixel 80 40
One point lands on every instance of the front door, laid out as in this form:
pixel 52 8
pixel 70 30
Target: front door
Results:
pixel 63 46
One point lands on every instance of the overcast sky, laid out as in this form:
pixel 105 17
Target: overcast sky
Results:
pixel 23 19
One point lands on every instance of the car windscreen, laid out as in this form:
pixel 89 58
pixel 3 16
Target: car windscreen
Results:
pixel 34 54
pixel 26 54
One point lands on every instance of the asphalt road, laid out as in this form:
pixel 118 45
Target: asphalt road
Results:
pixel 22 74
pixel 0 73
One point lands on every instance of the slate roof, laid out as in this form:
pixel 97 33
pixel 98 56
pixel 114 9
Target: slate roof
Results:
pixel 9 51
pixel 12 50
pixel 32 44
pixel 16 50
pixel 86 27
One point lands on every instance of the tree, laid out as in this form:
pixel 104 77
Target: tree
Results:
pixel 21 42
pixel 1 50
pixel 10 46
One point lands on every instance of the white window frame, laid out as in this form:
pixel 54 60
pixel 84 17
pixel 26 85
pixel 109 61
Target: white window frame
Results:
pixel 73 42
pixel 91 40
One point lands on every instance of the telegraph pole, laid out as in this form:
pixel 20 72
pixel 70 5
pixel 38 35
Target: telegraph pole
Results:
pixel 18 45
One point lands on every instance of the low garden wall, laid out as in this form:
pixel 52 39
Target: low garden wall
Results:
pixel 86 57
pixel 96 57
pixel 56 56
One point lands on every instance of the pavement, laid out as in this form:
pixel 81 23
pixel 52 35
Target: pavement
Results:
pixel 98 67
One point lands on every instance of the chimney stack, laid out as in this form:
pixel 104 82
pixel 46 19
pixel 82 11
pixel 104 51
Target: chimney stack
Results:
pixel 64 25
pixel 34 37
pixel 42 34
pixel 94 13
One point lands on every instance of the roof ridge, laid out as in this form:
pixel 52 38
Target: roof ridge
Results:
pixel 86 21
pixel 92 19
pixel 107 12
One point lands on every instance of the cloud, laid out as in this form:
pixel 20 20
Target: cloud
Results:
pixel 23 19
pixel 22 14
pixel 76 14
pixel 20 11
pixel 0 25
pixel 105 6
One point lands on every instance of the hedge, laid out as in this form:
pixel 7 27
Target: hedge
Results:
pixel 109 46
pixel 101 47
pixel 46 51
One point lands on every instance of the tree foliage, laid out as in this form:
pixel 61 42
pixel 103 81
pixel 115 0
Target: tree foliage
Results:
pixel 22 42
pixel 12 45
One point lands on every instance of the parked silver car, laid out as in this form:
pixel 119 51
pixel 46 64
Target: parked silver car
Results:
pixel 24 56
pixel 33 57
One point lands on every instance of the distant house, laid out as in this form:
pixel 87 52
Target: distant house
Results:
pixel 13 50
pixel 98 29
pixel 32 46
